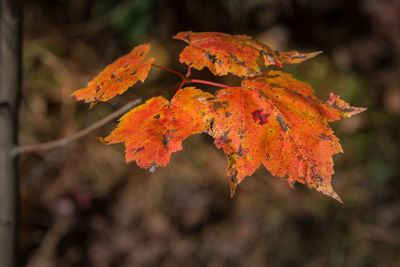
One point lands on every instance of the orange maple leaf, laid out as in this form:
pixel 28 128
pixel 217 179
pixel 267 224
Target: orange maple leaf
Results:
pixel 238 54
pixel 154 130
pixel 117 77
pixel 276 120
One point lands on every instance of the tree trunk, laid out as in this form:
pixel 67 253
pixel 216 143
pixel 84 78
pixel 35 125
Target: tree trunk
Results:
pixel 10 84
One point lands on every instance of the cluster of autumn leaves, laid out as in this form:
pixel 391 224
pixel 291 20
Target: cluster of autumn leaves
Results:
pixel 271 119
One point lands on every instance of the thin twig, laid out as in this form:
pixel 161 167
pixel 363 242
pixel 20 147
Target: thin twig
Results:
pixel 66 140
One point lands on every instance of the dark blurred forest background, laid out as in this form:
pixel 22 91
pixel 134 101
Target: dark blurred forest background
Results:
pixel 83 206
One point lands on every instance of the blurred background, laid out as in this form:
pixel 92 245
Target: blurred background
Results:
pixel 82 205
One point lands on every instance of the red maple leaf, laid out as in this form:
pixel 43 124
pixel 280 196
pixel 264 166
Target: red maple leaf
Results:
pixel 154 130
pixel 276 120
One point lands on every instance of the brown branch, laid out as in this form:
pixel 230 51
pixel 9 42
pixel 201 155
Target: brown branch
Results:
pixel 69 139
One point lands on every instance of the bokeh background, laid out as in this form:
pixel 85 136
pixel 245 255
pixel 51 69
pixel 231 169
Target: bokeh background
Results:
pixel 83 206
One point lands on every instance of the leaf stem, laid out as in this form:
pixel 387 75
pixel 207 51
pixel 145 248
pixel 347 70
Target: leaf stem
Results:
pixel 188 71
pixel 169 70
pixel 208 82
pixel 186 80
pixel 181 84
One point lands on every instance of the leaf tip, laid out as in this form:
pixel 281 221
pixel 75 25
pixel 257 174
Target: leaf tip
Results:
pixel 294 57
pixel 334 195
pixel 153 167
pixel 343 107
pixel 314 54
pixel 92 103
pixel 326 188
pixel 183 36
pixel 101 140
pixel 233 186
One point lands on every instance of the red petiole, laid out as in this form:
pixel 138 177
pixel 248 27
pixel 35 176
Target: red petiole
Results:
pixel 188 72
pixel 208 82
pixel 185 80
pixel 169 70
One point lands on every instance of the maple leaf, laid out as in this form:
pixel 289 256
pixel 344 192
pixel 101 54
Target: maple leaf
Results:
pixel 117 77
pixel 154 130
pixel 276 120
pixel 238 54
